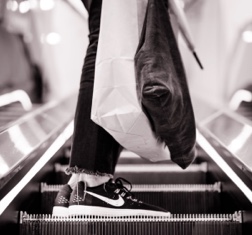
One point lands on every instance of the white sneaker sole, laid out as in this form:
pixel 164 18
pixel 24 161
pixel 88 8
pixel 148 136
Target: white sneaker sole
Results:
pixel 95 210
pixel 60 211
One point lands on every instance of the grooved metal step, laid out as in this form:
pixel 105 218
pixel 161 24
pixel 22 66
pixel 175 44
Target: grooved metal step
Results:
pixel 150 173
pixel 182 198
pixel 162 173
pixel 182 224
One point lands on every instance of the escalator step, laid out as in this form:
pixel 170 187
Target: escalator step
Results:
pixel 128 157
pixel 175 198
pixel 183 224
pixel 162 173
pixel 150 173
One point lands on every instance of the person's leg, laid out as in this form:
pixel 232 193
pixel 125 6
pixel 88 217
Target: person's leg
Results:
pixel 95 154
pixel 94 151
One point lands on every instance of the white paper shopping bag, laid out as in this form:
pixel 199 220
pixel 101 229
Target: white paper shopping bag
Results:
pixel 115 105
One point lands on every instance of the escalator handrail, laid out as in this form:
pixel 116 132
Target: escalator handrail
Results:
pixel 54 125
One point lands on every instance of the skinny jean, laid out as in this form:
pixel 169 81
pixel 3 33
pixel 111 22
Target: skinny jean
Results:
pixel 94 151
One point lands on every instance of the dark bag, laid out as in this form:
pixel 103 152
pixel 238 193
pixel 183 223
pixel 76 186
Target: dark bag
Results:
pixel 162 86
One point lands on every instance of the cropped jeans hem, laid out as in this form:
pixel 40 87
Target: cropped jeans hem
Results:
pixel 77 170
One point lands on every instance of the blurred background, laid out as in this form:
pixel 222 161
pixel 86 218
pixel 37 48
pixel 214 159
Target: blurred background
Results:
pixel 222 34
pixel 42 46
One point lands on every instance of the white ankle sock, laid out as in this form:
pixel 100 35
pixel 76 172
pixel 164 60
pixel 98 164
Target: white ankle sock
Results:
pixel 74 179
pixel 90 180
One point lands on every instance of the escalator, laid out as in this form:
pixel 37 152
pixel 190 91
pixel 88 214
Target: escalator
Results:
pixel 203 199
pixel 14 105
pixel 196 207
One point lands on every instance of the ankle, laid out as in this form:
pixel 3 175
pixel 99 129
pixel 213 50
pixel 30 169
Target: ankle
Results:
pixel 90 180
pixel 94 180
pixel 73 180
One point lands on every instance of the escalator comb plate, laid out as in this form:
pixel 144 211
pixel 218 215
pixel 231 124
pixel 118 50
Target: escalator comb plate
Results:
pixel 181 224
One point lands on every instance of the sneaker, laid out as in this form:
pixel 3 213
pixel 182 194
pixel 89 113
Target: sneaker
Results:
pixel 111 198
pixel 61 201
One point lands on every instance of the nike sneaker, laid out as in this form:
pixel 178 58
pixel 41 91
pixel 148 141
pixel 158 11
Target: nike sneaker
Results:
pixel 111 198
pixel 61 201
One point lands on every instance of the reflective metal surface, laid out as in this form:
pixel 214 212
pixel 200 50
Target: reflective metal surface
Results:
pixel 234 133
pixel 31 131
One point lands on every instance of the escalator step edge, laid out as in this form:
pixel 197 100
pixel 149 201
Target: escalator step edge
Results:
pixel 177 224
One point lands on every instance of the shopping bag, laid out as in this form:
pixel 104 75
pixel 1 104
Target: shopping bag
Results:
pixel 162 86
pixel 115 105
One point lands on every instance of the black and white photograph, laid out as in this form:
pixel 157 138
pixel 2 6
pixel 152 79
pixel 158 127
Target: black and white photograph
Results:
pixel 125 117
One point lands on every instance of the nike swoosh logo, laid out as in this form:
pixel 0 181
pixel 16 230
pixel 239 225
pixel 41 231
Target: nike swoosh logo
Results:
pixel 113 202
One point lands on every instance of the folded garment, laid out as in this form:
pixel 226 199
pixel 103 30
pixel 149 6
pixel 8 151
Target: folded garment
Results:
pixel 162 87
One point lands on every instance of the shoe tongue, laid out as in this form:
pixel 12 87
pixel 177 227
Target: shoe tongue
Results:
pixel 111 182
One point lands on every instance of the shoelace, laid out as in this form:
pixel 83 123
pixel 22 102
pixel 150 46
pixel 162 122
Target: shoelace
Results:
pixel 123 190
